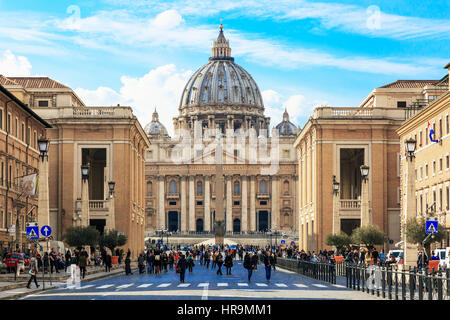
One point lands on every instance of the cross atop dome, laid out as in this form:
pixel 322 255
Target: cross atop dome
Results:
pixel 221 48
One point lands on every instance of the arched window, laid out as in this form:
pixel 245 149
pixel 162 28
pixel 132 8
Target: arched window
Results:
pixel 173 187
pixel 199 188
pixel 263 186
pixel 149 188
pixel 237 188
pixel 286 187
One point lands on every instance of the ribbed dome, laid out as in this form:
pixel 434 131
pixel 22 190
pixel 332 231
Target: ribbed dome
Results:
pixel 221 81
pixel 155 128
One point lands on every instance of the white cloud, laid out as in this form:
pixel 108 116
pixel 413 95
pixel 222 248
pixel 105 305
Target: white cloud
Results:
pixel 160 88
pixel 168 19
pixel 12 65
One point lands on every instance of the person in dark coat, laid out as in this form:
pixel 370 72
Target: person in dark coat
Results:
pixel 228 263
pixel 67 257
pixel 255 261
pixel 219 262
pixel 128 263
pixel 248 264
pixel 108 262
pixel 181 267
pixel 274 260
pixel 141 263
pixel 267 264
pixel 46 261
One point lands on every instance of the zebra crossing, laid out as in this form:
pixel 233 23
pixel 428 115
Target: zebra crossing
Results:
pixel 219 285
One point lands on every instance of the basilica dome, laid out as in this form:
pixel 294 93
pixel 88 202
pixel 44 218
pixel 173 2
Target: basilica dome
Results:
pixel 155 128
pixel 221 81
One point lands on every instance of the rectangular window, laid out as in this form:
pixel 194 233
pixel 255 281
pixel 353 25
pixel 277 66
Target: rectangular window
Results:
pixel 34 139
pixel 22 137
pixel 421 204
pixel 28 135
pixel 420 138
pixel 434 167
pixel 17 128
pixel 446 124
pixel 236 203
pixel 440 128
pixel 43 103
pixel 426 170
pixel 447 160
pixel 263 203
pixel 8 124
pixel 448 198
pixel 172 203
pixel 440 199
pixel 426 136
pixel 401 104
pixel 1 119
pixel 2 222
pixel 10 177
pixel 236 153
pixel 440 164
pixel 2 173
pixel 199 203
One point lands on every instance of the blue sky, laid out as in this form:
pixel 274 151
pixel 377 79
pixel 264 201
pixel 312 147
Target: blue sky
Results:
pixel 301 53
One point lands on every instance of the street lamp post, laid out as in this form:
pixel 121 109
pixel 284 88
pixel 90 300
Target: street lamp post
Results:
pixel 84 195
pixel 409 207
pixel 336 207
pixel 112 218
pixel 43 197
pixel 365 215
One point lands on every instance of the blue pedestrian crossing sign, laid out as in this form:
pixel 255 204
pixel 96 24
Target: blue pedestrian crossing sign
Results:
pixel 46 231
pixel 283 241
pixel 32 230
pixel 431 226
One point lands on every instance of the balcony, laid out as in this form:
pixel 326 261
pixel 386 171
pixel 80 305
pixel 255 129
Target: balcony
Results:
pixel 94 206
pixel 358 113
pixel 85 112
pixel 350 204
pixel 350 208
pixel 263 195
pixel 172 196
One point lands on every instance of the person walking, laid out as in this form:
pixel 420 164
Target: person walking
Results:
pixel 171 260
pixel 33 272
pixel 190 262
pixel 46 261
pixel 228 263
pixel 149 262
pixel 248 264
pixel 181 267
pixel 82 263
pixel 219 262
pixel 53 261
pixel 207 259
pixel 67 257
pixel 128 263
pixel 274 260
pixel 214 256
pixel 141 263
pixel 267 264
pixel 255 261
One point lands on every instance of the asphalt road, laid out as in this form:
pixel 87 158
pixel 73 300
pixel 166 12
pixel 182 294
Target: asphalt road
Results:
pixel 204 284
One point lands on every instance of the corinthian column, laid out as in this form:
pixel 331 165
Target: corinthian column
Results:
pixel 207 213
pixel 275 204
pixel 191 204
pixel 162 210
pixel 183 205
pixel 229 222
pixel 244 205
pixel 252 204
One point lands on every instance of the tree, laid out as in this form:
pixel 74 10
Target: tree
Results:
pixel 340 241
pixel 81 236
pixel 415 233
pixel 369 236
pixel 112 239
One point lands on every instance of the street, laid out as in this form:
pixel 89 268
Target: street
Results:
pixel 204 284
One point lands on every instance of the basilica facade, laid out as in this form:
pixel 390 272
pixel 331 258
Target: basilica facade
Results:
pixel 221 105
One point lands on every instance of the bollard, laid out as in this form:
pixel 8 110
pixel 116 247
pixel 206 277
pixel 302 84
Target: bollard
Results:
pixel 358 278
pixel 412 283
pixel 389 280
pixel 421 280
pixel 383 281
pixel 430 287
pixel 396 285
pixel 403 284
pixel 439 284
pixel 447 276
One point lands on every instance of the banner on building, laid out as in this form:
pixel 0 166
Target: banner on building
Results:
pixel 29 184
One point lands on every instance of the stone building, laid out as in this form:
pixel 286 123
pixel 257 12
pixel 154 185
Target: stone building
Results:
pixel 20 129
pixel 332 146
pixel 429 171
pixel 110 140
pixel 221 103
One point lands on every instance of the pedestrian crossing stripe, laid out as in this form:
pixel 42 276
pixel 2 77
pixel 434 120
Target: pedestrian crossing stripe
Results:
pixel 261 285
pixel 203 284
pixel 281 285
pixel 146 285
pixel 105 286
pixel 222 284
pixel 84 287
pixel 163 285
pixel 243 284
pixel 319 285
pixel 339 286
pixel 184 285
pixel 300 285
pixel 125 286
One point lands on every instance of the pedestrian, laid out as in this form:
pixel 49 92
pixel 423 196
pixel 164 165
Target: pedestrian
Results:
pixel 181 267
pixel 255 261
pixel 267 264
pixel 53 261
pixel 157 261
pixel 141 263
pixel 82 263
pixel 190 262
pixel 46 261
pixel 214 256
pixel 207 259
pixel 248 264
pixel 33 272
pixel 171 260
pixel 128 263
pixel 39 262
pixel 149 262
pixel 165 261
pixel 274 260
pixel 219 262
pixel 228 263
pixel 68 257
pixel 108 262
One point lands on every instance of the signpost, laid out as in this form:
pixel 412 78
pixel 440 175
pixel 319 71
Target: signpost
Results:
pixel 32 229
pixel 46 231
pixel 431 226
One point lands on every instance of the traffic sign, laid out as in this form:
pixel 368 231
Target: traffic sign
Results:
pixel 431 226
pixel 292 243
pixel 283 241
pixel 46 231
pixel 12 229
pixel 32 229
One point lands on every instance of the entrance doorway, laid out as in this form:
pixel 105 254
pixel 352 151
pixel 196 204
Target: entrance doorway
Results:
pixel 199 225
pixel 263 221
pixel 236 225
pixel 99 224
pixel 173 221
pixel 348 225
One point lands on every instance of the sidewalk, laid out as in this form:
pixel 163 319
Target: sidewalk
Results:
pixel 15 290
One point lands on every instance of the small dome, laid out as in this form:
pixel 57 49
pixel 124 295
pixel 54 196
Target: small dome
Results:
pixel 286 127
pixel 155 128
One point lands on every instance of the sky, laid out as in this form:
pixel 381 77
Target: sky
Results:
pixel 301 53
